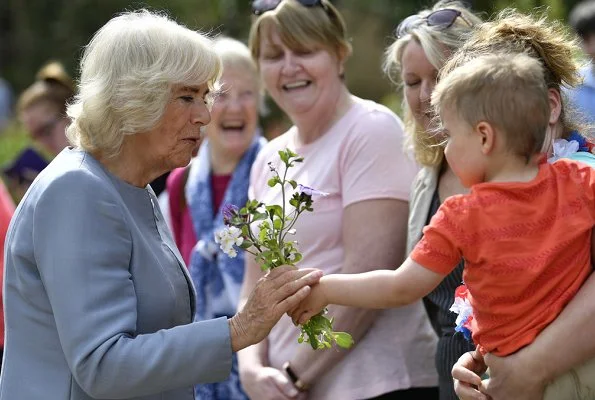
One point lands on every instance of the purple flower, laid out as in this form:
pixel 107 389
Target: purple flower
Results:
pixel 310 191
pixel 229 211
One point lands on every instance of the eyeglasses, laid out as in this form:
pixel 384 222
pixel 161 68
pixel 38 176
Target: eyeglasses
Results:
pixel 46 129
pixel 262 6
pixel 440 19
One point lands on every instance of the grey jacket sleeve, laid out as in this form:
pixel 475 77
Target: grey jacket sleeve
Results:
pixel 82 249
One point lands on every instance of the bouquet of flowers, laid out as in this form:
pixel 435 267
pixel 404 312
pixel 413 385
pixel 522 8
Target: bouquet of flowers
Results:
pixel 271 245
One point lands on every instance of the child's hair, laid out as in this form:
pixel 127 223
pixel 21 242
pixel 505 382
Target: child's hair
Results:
pixel 506 90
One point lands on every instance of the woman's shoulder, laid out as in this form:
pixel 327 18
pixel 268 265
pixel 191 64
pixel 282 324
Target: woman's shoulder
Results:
pixel 369 111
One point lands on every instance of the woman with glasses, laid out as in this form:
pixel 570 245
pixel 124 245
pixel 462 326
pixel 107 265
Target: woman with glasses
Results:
pixel 567 342
pixel 42 107
pixel 353 150
pixel 424 42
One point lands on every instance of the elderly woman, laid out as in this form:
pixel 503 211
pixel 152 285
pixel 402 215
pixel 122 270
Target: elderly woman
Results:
pixel 424 41
pixel 352 149
pixel 525 374
pixel 218 176
pixel 98 302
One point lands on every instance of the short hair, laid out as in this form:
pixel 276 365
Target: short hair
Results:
pixel 437 44
pixel 53 86
pixel 506 90
pixel 304 28
pixel 127 73
pixel 582 18
pixel 547 41
pixel 236 55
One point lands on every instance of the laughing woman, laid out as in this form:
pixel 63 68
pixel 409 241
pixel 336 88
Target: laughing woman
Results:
pixel 218 176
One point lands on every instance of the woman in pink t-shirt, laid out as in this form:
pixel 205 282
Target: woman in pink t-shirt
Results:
pixel 352 149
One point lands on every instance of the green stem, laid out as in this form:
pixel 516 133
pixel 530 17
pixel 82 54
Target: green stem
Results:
pixel 283 183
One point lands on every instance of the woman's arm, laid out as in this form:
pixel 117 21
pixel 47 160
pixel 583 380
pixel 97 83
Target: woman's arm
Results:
pixel 258 379
pixel 371 241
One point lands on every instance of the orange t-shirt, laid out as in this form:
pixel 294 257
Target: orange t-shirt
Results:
pixel 527 250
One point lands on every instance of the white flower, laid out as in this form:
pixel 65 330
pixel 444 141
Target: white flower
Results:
pixel 563 149
pixel 311 191
pixel 228 237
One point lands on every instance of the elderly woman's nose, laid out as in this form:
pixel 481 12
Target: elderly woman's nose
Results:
pixel 200 114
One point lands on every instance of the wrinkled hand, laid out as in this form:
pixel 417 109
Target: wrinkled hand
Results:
pixel 266 383
pixel 279 291
pixel 467 373
pixel 512 378
pixel 310 306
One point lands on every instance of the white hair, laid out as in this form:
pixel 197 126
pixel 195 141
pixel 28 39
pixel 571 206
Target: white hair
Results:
pixel 127 73
pixel 237 56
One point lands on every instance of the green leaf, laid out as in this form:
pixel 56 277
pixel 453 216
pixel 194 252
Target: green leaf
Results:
pixel 343 339
pixel 246 244
pixel 260 217
pixel 292 183
pixel 276 210
pixel 277 223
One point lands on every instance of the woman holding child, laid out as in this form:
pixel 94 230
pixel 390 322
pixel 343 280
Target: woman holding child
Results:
pixel 525 374
pixel 424 41
pixel 352 149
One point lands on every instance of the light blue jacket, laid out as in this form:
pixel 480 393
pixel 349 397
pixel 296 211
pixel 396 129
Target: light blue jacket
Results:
pixel 98 303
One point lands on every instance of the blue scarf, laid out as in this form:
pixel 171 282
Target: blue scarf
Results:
pixel 217 277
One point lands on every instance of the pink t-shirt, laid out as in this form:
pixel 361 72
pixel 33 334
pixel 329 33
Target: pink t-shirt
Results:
pixel 361 157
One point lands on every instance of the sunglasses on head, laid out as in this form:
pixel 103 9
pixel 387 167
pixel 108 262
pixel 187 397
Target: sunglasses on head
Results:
pixel 440 19
pixel 262 6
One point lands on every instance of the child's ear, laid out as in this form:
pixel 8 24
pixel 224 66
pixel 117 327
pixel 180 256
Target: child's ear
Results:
pixel 555 105
pixel 486 135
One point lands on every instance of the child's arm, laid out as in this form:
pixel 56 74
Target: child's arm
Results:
pixel 374 289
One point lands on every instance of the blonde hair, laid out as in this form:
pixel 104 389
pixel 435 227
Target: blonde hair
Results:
pixel 437 43
pixel 506 90
pixel 127 73
pixel 303 28
pixel 547 41
pixel 53 86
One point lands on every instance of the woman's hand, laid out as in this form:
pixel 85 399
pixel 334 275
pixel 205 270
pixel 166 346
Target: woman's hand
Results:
pixel 512 378
pixel 279 291
pixel 467 376
pixel 310 306
pixel 267 383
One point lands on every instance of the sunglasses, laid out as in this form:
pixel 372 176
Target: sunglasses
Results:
pixel 440 19
pixel 262 6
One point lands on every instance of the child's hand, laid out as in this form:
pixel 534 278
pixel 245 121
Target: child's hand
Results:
pixel 310 306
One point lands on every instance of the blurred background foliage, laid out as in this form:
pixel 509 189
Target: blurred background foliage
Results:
pixel 35 31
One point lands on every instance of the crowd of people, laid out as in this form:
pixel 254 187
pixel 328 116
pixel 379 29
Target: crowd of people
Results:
pixel 479 199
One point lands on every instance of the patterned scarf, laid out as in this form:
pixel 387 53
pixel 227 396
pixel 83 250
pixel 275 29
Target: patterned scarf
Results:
pixel 216 277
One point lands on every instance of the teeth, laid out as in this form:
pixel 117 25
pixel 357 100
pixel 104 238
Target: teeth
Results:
pixel 296 84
